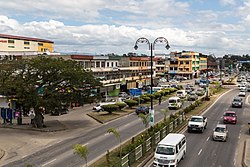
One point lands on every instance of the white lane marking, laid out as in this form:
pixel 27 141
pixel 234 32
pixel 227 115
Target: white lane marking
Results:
pixel 208 138
pixel 24 156
pixel 106 134
pixel 234 162
pixel 200 152
pixel 49 162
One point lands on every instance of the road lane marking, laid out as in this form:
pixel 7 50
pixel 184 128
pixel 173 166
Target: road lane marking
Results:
pixel 208 138
pixel 200 152
pixel 49 162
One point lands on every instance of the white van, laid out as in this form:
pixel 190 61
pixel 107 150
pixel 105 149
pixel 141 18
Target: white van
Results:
pixel 181 93
pixel 174 103
pixel 170 150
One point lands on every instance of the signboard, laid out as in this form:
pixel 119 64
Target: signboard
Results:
pixel 151 118
pixel 135 91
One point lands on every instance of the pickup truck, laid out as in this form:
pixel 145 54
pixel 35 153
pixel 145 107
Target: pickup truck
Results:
pixel 197 123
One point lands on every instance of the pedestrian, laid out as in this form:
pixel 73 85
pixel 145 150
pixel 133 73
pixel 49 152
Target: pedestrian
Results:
pixel 32 116
pixel 159 100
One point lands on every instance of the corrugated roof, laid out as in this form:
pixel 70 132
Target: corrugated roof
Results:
pixel 24 38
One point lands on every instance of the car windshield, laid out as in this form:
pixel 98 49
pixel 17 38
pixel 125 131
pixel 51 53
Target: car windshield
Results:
pixel 196 119
pixel 237 100
pixel 166 150
pixel 179 92
pixel 230 114
pixel 219 129
pixel 172 101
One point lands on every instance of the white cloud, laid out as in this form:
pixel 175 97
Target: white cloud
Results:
pixel 228 2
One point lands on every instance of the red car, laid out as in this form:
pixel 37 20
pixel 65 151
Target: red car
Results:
pixel 230 117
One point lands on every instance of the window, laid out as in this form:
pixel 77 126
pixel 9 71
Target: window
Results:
pixel 26 42
pixel 103 64
pixel 26 47
pixel 107 64
pixel 112 64
pixel 11 46
pixel 97 64
pixel 40 44
pixel 11 41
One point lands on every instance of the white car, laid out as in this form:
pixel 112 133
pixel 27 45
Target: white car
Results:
pixel 220 132
pixel 173 81
pixel 242 93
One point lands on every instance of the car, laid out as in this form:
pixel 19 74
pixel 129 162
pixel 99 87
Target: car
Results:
pixel 188 90
pixel 230 117
pixel 242 93
pixel 123 94
pixel 237 102
pixel 197 82
pixel 142 110
pixel 173 81
pixel 98 108
pixel 220 133
pixel 202 85
pixel 192 96
pixel 200 92
pixel 242 87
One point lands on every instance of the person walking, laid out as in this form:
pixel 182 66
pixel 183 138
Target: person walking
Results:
pixel 159 100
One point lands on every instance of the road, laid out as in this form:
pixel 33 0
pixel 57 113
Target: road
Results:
pixel 98 141
pixel 202 150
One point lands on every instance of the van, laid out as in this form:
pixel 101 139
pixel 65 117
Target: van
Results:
pixel 174 103
pixel 181 93
pixel 170 150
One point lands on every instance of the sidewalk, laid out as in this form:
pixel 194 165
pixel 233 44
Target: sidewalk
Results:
pixel 17 141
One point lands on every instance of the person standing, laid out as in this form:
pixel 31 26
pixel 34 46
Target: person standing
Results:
pixel 159 100
pixel 32 116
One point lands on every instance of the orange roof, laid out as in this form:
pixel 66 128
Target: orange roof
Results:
pixel 24 38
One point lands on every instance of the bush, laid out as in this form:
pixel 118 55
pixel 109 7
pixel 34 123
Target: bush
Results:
pixel 151 95
pixel 139 99
pixel 157 95
pixel 146 98
pixel 121 105
pixel 131 103
pixel 165 92
pixel 110 108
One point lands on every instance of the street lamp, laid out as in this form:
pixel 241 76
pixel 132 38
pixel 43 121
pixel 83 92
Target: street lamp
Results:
pixel 151 48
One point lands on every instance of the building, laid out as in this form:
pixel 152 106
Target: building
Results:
pixel 11 45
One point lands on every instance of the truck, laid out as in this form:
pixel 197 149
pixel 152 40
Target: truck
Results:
pixel 197 123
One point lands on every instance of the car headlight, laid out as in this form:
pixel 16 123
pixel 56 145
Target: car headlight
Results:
pixel 172 161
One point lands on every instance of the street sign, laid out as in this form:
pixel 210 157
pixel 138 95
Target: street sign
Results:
pixel 151 117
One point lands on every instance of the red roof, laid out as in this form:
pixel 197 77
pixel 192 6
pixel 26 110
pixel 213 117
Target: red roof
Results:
pixel 24 38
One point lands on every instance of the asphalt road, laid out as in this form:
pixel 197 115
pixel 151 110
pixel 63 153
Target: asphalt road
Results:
pixel 98 141
pixel 202 151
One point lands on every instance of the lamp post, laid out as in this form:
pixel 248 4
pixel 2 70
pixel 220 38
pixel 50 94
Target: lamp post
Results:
pixel 151 48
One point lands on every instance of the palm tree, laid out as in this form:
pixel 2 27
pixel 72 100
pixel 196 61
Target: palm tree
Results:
pixel 164 112
pixel 145 119
pixel 82 151
pixel 117 135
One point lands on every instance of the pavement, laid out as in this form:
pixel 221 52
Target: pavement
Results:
pixel 18 141
pixel 243 149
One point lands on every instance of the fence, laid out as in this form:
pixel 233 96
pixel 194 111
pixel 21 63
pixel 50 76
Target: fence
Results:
pixel 149 144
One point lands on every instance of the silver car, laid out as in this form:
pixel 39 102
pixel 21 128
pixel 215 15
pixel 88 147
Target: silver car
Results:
pixel 220 132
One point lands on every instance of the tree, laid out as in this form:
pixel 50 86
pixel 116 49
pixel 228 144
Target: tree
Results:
pixel 145 119
pixel 117 135
pixel 82 151
pixel 164 112
pixel 46 83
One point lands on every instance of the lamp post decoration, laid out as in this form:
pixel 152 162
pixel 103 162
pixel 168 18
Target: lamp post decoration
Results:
pixel 151 47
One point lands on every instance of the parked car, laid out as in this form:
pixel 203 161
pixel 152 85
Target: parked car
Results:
pixel 242 93
pixel 123 94
pixel 220 132
pixel 192 96
pixel 237 102
pixel 142 110
pixel 230 117
pixel 197 82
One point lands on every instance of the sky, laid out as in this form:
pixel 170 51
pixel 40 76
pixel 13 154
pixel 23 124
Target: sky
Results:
pixel 97 27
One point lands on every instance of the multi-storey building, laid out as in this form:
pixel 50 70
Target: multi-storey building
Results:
pixel 11 45
pixel 187 64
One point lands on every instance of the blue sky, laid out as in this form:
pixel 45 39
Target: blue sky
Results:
pixel 112 26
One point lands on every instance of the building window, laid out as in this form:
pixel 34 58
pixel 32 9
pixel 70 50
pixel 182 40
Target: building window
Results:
pixel 11 41
pixel 103 64
pixel 112 64
pixel 11 46
pixel 107 64
pixel 26 47
pixel 26 42
pixel 116 64
pixel 97 64
pixel 40 44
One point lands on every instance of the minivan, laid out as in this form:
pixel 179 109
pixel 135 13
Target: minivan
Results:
pixel 174 103
pixel 170 150
pixel 181 93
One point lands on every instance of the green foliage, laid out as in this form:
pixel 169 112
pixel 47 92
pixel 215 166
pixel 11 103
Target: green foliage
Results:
pixel 110 108
pixel 131 103
pixel 157 95
pixel 82 151
pixel 151 95
pixel 121 105
pixel 139 100
pixel 45 82
pixel 146 98
pixel 145 119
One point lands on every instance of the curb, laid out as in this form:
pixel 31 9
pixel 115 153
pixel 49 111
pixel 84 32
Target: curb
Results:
pixel 244 154
pixel 2 153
